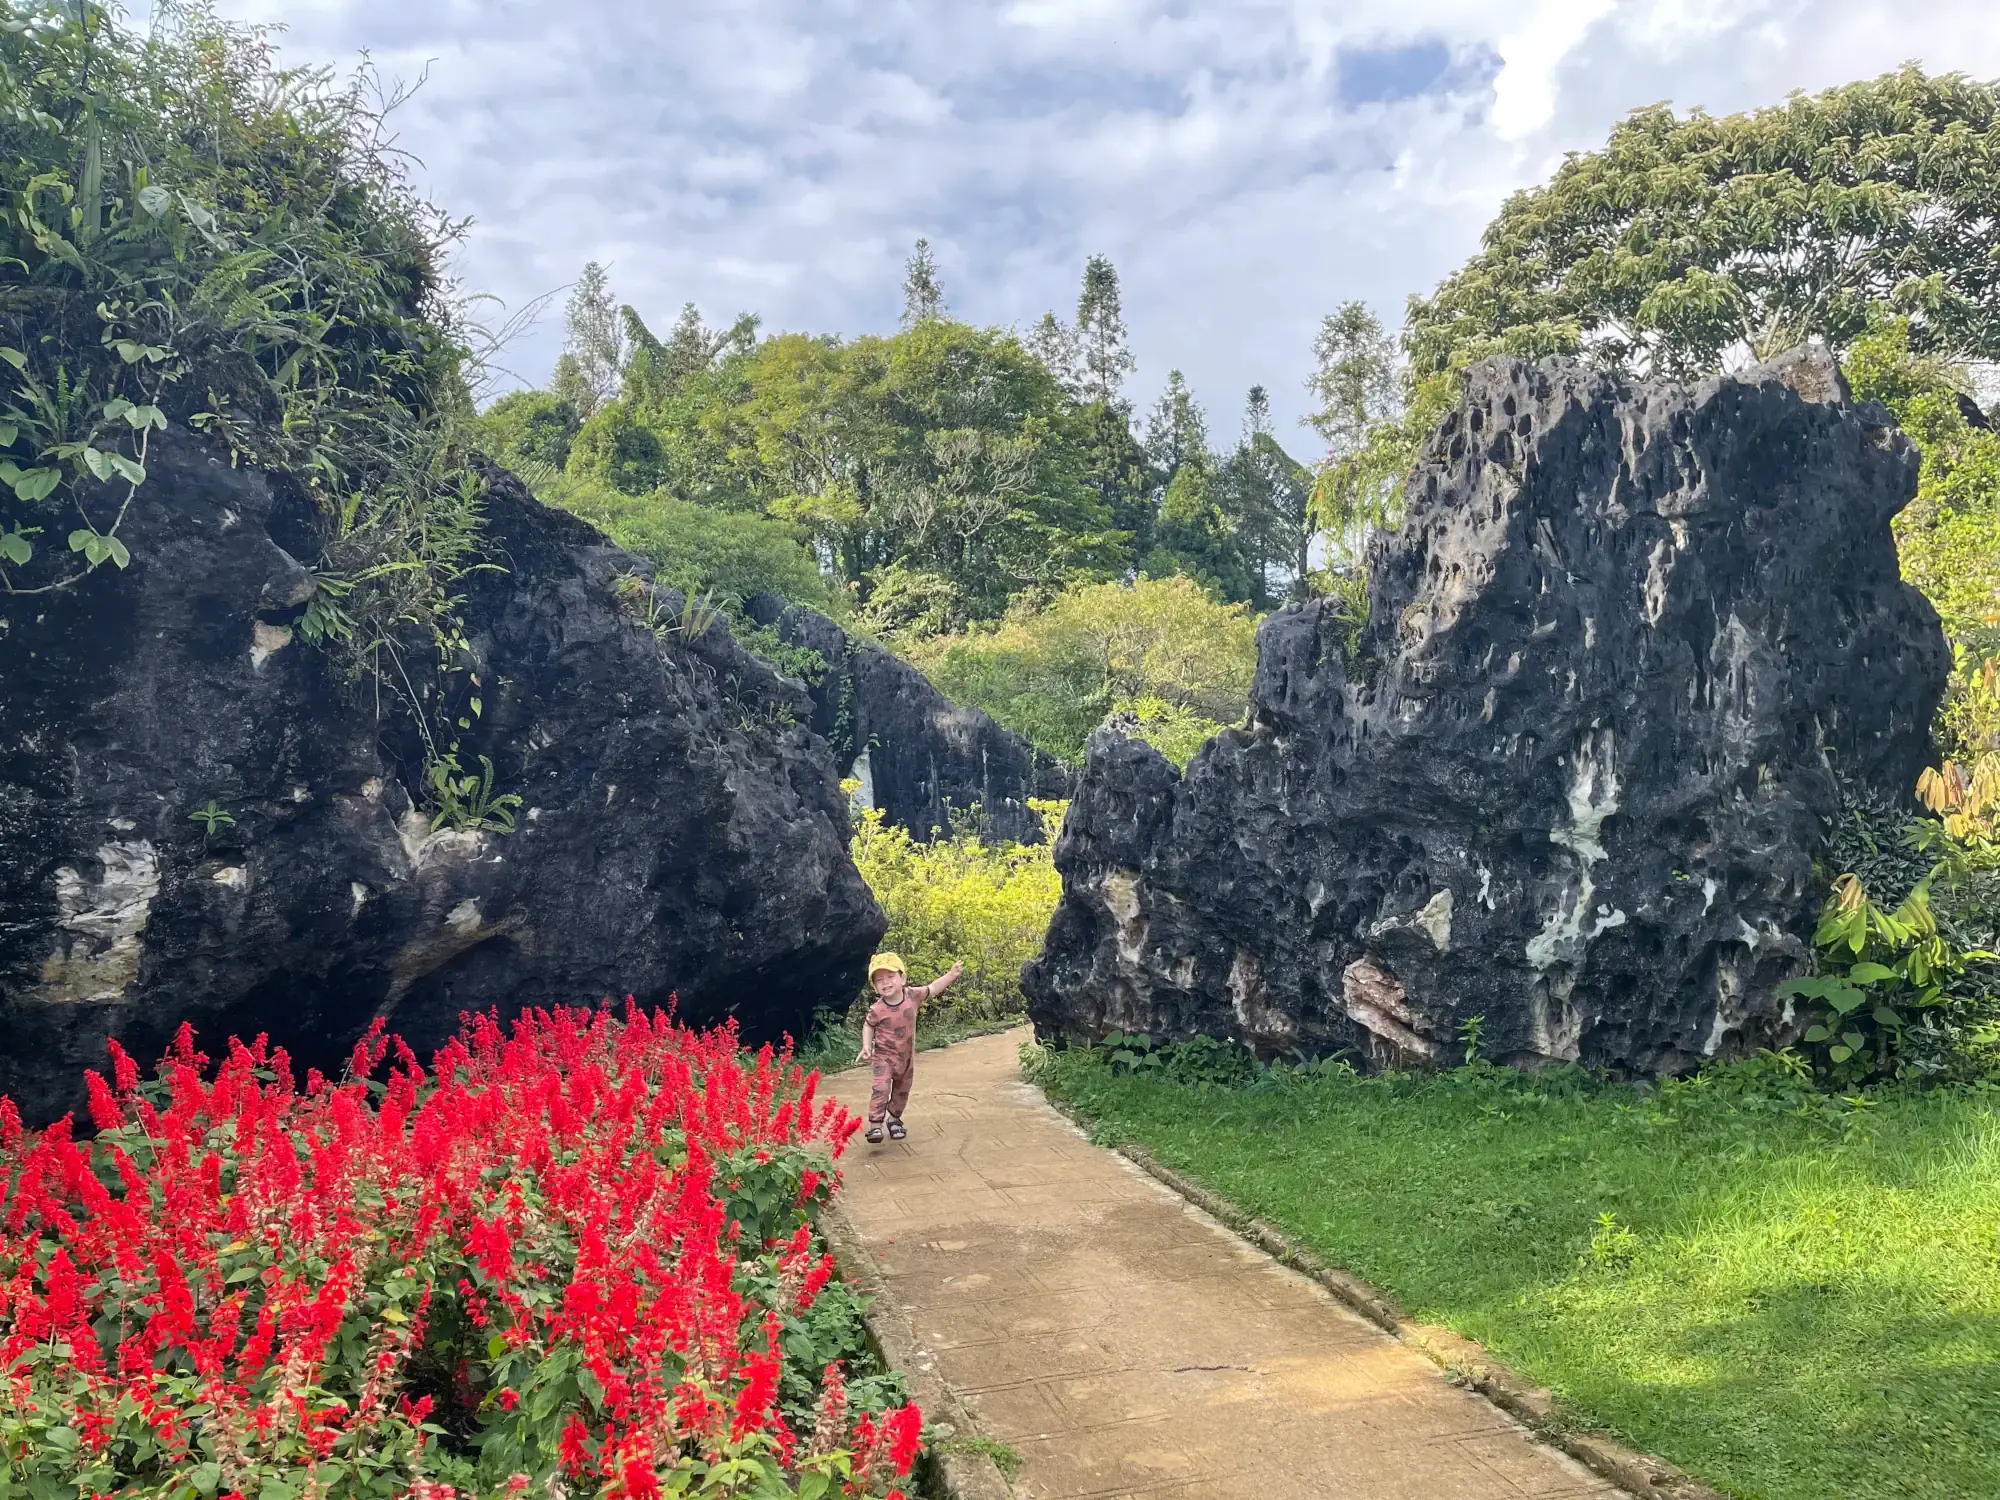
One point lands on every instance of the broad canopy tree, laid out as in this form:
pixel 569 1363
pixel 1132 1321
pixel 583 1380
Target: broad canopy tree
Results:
pixel 1688 242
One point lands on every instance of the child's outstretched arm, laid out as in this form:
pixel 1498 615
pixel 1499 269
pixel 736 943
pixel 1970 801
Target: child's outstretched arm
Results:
pixel 944 981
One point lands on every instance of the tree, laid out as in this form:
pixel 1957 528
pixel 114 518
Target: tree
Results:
pixel 923 293
pixel 1053 674
pixel 1356 382
pixel 1176 428
pixel 1686 242
pixel 594 354
pixel 1100 333
pixel 1190 533
pixel 1054 343
pixel 657 369
pixel 1266 495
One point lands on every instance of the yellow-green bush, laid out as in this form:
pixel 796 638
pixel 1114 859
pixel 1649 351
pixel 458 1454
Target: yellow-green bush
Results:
pixel 963 898
pixel 1051 675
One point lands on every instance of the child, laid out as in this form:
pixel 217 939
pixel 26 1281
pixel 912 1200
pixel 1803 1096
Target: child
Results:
pixel 892 1022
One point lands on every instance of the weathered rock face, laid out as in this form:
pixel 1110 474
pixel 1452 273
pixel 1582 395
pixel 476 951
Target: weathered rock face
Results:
pixel 1575 779
pixel 681 831
pixel 925 756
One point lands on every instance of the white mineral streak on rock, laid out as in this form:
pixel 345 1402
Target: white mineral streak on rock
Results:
pixel 100 925
pixel 267 641
pixel 863 772
pixel 1658 565
pixel 1254 1012
pixel 233 876
pixel 1374 998
pixel 1121 899
pixel 1593 798
pixel 1729 1011
pixel 1433 919
pixel 1556 1030
pixel 360 894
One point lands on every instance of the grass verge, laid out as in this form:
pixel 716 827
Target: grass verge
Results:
pixel 1789 1296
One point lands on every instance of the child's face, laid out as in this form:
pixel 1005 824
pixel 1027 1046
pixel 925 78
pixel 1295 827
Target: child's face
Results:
pixel 887 983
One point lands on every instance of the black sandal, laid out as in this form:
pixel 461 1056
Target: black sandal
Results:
pixel 874 1136
pixel 896 1130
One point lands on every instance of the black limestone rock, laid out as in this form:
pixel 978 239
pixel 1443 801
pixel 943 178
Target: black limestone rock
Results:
pixel 1574 778
pixel 681 829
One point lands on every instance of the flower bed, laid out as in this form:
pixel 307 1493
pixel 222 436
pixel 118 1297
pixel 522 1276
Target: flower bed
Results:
pixel 575 1256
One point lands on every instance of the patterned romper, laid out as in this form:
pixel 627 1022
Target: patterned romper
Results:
pixel 895 1052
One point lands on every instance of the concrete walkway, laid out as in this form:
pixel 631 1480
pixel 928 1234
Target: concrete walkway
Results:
pixel 1122 1342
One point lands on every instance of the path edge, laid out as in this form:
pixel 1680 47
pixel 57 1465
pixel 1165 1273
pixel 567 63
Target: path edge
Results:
pixel 1465 1361
pixel 954 1475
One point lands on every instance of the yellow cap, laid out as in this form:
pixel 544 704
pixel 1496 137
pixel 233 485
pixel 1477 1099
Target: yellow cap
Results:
pixel 889 962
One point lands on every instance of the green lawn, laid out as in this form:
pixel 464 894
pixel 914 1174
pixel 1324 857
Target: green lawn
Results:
pixel 1799 1297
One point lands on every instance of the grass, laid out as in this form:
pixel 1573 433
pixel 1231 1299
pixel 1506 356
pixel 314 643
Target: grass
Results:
pixel 1793 1297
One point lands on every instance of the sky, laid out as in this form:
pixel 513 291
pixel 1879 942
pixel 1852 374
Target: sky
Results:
pixel 1247 164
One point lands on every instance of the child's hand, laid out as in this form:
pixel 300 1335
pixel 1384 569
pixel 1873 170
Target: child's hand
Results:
pixel 866 1054
pixel 954 971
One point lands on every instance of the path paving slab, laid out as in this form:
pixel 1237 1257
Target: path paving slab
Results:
pixel 1123 1342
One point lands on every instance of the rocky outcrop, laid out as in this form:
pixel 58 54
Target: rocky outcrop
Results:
pixel 920 757
pixel 681 829
pixel 1572 780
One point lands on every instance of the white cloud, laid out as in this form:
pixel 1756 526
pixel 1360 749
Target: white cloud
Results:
pixel 1247 163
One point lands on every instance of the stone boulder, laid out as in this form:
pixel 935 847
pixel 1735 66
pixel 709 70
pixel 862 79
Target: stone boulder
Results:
pixel 920 757
pixel 681 829
pixel 1569 780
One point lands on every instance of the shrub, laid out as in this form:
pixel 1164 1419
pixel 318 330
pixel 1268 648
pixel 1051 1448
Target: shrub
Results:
pixel 576 1255
pixel 528 428
pixel 1174 731
pixel 963 898
pixel 699 550
pixel 1053 675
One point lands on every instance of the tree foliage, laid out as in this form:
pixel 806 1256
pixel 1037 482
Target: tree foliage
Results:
pixel 1053 674
pixel 923 291
pixel 966 899
pixel 1686 240
pixel 938 476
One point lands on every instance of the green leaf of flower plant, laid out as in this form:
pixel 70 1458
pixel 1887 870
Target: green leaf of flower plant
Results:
pixel 1870 973
pixel 14 357
pixel 98 462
